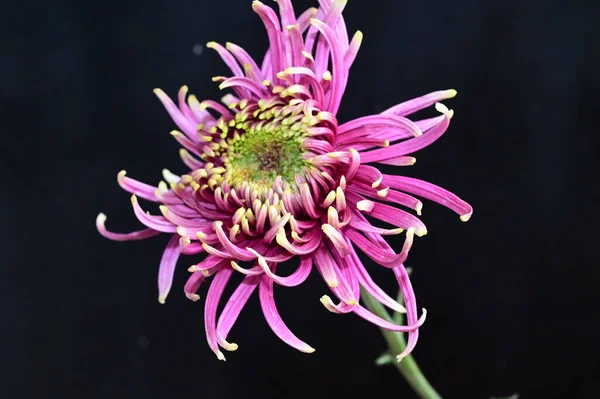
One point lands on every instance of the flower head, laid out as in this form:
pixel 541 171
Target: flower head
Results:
pixel 273 175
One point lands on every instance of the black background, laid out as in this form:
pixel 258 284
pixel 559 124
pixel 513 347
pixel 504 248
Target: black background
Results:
pixel 510 294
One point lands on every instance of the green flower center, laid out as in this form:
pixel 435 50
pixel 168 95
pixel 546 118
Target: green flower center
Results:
pixel 263 153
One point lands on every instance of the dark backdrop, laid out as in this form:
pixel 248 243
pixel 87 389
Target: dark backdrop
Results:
pixel 510 294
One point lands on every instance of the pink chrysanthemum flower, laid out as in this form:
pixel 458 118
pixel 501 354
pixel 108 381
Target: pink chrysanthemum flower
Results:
pixel 273 175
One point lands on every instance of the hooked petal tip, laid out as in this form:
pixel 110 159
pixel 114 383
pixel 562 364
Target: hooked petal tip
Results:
pixel 231 346
pixel 444 110
pixel 101 218
pixel 466 217
pixel 419 208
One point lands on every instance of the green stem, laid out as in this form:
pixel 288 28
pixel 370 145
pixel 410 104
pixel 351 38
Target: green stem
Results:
pixel 396 343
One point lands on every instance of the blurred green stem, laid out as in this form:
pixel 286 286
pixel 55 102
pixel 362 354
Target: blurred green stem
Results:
pixel 396 342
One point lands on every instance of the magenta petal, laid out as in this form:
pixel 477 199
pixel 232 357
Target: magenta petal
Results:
pixel 337 239
pixel 408 146
pixel 339 75
pixel 174 218
pixel 227 58
pixel 331 273
pixel 414 105
pixel 353 48
pixel 411 308
pixel 167 268
pixel 233 308
pixel 142 190
pixel 291 47
pixel 187 247
pixel 378 321
pixel 244 58
pixel 269 18
pixel 346 269
pixel 394 216
pixel 369 126
pixel 231 248
pixel 304 249
pixel 368 284
pixel 133 236
pixel 266 68
pixel 331 15
pixel 366 227
pixel 399 161
pixel 188 127
pixel 193 284
pixel 210 263
pixel 387 195
pixel 157 223
pixel 431 192
pixel 267 303
pixel 294 279
pixel 380 254
pixel 210 308
pixel 246 84
pixel 295 42
pixel 186 143
pixel 189 160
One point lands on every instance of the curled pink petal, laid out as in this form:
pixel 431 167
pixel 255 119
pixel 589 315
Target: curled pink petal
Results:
pixel 180 120
pixel 378 321
pixel 142 190
pixel 210 309
pixel 408 146
pixel 229 60
pixel 157 223
pixel 193 284
pixel 232 309
pixel 269 18
pixel 330 272
pixel 394 216
pixel 246 84
pixel 294 279
pixel 339 71
pixel 167 268
pixel 431 192
pixel 269 309
pixel 378 254
pixel 411 308
pixel 369 125
pixel 412 106
pixel 372 288
pixel 133 236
